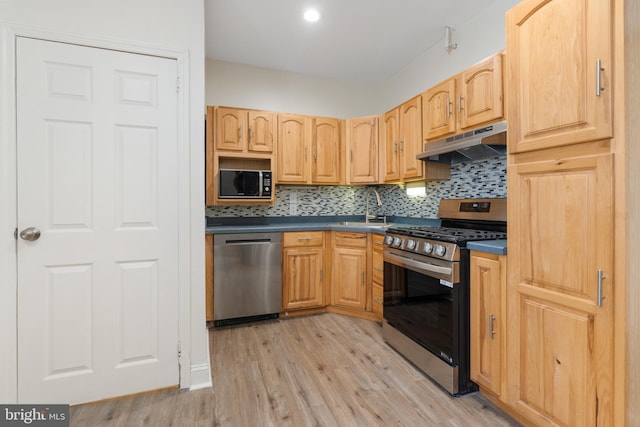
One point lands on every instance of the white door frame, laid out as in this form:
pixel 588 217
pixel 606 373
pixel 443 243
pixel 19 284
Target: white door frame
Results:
pixel 8 195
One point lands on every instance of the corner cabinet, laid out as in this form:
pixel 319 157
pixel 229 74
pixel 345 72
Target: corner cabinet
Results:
pixel 351 274
pixel 472 98
pixel 487 321
pixel 303 270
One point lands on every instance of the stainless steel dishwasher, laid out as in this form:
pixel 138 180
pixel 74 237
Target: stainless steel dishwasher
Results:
pixel 247 277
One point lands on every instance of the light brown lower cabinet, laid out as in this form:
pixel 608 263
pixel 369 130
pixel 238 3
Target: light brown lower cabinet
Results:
pixel 377 275
pixel 487 321
pixel 350 270
pixel 303 270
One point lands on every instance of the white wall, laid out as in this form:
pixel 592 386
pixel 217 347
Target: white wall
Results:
pixel 159 24
pixel 479 38
pixel 237 85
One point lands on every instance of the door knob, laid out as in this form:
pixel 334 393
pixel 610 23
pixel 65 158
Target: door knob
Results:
pixel 31 233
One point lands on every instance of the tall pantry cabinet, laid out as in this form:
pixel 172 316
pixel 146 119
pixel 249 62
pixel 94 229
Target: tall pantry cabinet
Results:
pixel 561 282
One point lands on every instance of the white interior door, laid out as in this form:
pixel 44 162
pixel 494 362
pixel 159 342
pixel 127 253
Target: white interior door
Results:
pixel 97 175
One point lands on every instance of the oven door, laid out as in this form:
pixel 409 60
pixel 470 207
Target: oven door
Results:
pixel 421 301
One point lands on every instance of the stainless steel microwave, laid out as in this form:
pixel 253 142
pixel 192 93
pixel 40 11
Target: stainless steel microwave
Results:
pixel 244 184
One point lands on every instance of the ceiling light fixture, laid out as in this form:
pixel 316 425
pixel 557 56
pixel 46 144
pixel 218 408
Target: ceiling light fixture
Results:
pixel 311 15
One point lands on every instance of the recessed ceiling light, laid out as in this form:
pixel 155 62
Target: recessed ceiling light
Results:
pixel 311 15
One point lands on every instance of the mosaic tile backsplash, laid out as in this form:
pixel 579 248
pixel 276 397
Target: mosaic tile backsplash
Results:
pixel 483 178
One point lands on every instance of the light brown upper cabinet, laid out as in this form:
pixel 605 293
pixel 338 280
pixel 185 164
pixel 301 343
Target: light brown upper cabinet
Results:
pixel 470 99
pixel 309 149
pixel 327 154
pixel 244 131
pixel 401 137
pixel 561 91
pixel 237 139
pixel 294 134
pixel 362 150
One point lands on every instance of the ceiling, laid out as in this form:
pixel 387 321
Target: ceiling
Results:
pixel 364 41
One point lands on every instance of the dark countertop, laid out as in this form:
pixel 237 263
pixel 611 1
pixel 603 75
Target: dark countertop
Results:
pixel 498 247
pixel 225 225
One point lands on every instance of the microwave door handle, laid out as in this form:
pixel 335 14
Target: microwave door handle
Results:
pixel 260 183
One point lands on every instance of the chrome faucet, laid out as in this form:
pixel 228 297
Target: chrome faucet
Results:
pixel 367 216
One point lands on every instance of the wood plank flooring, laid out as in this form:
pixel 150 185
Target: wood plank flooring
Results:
pixel 323 370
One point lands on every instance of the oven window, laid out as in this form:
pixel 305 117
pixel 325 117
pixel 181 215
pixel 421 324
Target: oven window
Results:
pixel 421 308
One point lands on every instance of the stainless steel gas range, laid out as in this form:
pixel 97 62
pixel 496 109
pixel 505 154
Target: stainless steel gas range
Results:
pixel 426 288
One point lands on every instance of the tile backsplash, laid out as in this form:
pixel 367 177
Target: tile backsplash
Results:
pixel 483 178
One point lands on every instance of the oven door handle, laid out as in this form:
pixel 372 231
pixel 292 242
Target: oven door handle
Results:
pixel 417 266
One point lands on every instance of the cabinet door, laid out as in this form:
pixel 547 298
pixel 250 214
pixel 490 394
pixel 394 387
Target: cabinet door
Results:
pixel 411 139
pixel 349 280
pixel 390 140
pixel 262 126
pixel 486 321
pixel 293 149
pixel 231 129
pixel 326 151
pixel 558 94
pixel 480 93
pixel 302 284
pixel 438 109
pixel 362 138
pixel 560 329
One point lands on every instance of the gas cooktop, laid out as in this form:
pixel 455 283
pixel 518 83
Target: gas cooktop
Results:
pixel 458 236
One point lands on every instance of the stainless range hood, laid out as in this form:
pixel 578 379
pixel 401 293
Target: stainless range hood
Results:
pixel 481 143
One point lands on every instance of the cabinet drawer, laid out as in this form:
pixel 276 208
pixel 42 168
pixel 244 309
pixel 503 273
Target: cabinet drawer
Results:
pixel 303 238
pixel 377 303
pixel 350 239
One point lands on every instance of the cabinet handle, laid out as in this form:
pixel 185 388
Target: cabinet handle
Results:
pixel 321 271
pixel 491 331
pixel 599 71
pixel 378 300
pixel 315 153
pixel 460 98
pixel 250 133
pixel 378 268
pixel 448 107
pixel 395 146
pixel 300 239
pixel 363 278
pixel 401 146
pixel 600 297
pixel 306 152
pixel 240 132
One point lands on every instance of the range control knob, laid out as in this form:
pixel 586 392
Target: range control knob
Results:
pixel 388 240
pixel 397 242
pixel 427 248
pixel 439 250
pixel 411 244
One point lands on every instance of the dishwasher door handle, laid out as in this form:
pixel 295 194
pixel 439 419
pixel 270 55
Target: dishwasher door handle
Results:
pixel 248 242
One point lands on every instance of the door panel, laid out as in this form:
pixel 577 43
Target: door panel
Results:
pixel 97 174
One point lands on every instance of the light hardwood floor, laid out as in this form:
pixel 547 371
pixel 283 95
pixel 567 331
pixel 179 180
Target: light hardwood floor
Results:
pixel 323 370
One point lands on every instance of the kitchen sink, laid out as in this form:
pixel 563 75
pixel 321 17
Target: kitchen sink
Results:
pixel 364 224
